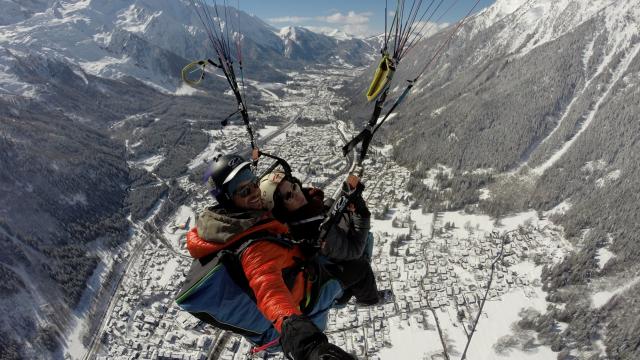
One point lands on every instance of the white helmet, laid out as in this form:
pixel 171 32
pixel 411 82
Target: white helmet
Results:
pixel 268 185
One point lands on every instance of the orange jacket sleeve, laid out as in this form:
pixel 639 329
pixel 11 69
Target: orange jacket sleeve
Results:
pixel 197 246
pixel 263 263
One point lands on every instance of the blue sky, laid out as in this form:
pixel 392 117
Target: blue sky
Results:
pixel 361 17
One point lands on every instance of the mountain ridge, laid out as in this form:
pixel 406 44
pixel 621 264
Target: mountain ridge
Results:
pixel 534 99
pixel 540 96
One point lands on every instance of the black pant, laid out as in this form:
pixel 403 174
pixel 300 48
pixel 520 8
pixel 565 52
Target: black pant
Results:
pixel 357 279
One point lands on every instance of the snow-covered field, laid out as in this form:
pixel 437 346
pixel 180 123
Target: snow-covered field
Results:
pixel 411 339
pixel 148 163
pixel 602 297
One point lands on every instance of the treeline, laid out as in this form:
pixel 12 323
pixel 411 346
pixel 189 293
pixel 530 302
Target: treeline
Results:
pixel 578 267
pixel 582 324
pixel 70 266
pixel 140 177
pixel 450 193
pixel 585 325
pixel 10 349
pixel 620 319
pixel 508 195
pixel 110 226
pixel 66 176
pixel 177 141
pixel 496 112
pixel 66 186
pixel 10 283
pixel 176 197
pixel 474 114
pixel 141 200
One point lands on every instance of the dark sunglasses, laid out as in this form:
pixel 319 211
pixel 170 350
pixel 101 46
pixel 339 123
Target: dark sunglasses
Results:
pixel 288 196
pixel 247 189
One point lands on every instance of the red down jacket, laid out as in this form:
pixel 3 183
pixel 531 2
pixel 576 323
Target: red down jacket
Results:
pixel 263 263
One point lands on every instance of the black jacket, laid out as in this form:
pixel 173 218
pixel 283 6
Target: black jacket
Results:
pixel 346 240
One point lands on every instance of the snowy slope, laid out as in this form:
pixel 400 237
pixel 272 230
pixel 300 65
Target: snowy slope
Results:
pixel 527 24
pixel 498 65
pixel 303 44
pixel 149 40
pixel 539 91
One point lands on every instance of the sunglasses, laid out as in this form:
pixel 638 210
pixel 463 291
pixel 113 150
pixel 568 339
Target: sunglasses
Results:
pixel 247 189
pixel 288 196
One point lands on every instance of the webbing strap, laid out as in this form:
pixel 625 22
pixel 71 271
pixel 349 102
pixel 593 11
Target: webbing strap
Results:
pixel 276 239
pixel 257 349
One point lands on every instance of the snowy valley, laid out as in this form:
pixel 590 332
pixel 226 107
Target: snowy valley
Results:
pixel 509 173
pixel 437 263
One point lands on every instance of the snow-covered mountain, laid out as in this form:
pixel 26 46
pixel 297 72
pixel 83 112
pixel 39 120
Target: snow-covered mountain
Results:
pixel 88 89
pixel 544 95
pixel 152 40
pixel 18 10
pixel 544 91
pixel 303 44
pixel 575 51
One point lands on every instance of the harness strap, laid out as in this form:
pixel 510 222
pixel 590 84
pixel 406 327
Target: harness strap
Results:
pixel 273 238
pixel 257 349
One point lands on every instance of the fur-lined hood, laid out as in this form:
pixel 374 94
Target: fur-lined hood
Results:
pixel 216 224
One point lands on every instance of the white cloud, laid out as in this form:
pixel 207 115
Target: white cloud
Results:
pixel 351 22
pixel 331 31
pixel 428 28
pixel 351 18
pixel 290 19
pixel 357 30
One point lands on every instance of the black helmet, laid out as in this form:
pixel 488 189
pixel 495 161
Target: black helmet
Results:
pixel 223 169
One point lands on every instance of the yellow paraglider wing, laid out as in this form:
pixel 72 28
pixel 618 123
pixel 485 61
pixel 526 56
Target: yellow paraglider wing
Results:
pixel 383 74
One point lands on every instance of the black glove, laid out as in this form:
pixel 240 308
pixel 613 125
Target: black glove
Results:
pixel 358 204
pixel 328 351
pixel 361 206
pixel 302 340
pixel 299 337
